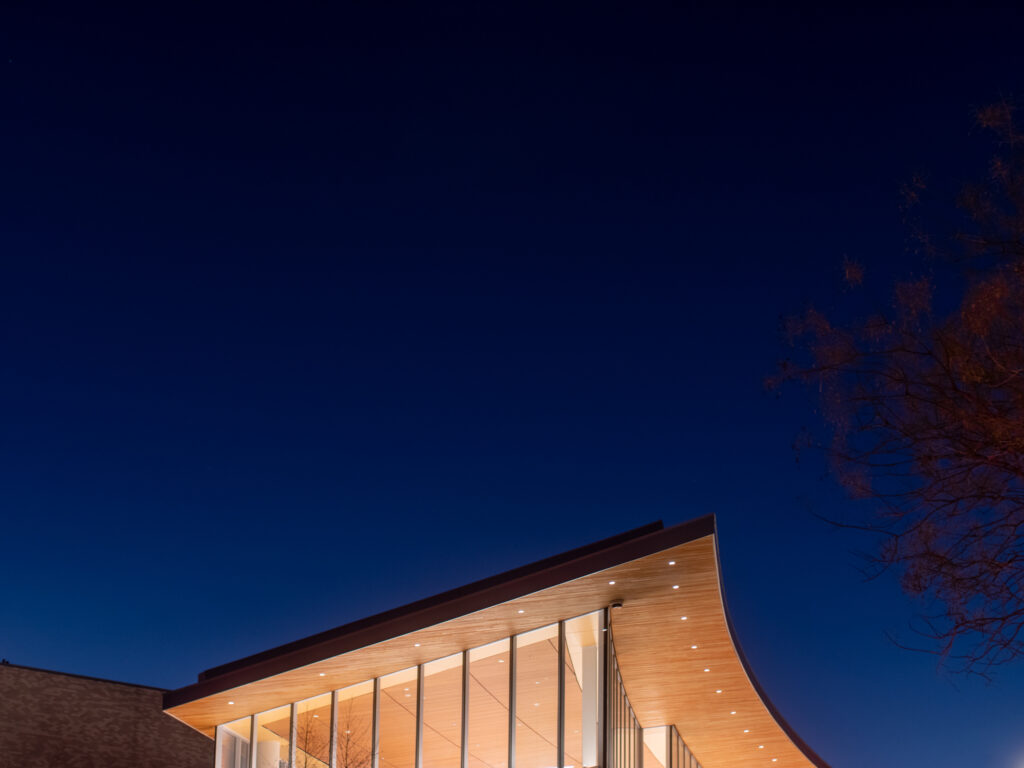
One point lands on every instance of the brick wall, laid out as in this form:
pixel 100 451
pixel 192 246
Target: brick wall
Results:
pixel 52 720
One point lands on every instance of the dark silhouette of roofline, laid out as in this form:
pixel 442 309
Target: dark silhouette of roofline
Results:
pixel 6 663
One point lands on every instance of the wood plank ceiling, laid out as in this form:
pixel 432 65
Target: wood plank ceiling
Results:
pixel 681 671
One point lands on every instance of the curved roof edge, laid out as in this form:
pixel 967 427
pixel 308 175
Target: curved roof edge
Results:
pixel 802 745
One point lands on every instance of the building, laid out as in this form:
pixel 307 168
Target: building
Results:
pixel 56 720
pixel 619 654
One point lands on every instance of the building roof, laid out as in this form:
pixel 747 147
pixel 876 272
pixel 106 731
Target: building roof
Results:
pixel 684 671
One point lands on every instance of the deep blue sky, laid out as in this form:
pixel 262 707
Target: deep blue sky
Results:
pixel 311 312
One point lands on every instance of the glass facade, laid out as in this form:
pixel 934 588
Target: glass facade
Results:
pixel 582 679
pixel 488 706
pixel 537 698
pixel 233 743
pixel 442 713
pixel 623 727
pixel 552 697
pixel 397 706
pixel 273 738
pixel 680 755
pixel 353 741
pixel 313 732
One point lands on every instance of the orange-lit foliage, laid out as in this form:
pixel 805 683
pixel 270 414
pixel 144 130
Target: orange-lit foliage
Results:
pixel 926 414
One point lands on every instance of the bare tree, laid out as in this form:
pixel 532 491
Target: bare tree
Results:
pixel 925 410
pixel 313 738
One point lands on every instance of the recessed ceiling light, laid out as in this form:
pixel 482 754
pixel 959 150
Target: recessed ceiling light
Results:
pixel 671 562
pixel 682 618
pixel 760 746
pixel 675 586
pixel 707 669
pixel 611 582
pixel 415 645
pixel 231 702
pixel 693 647
pixel 719 690
pixel 733 712
pixel 746 730
pixel 322 674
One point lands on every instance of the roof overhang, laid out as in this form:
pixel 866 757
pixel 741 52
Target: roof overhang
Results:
pixel 664 675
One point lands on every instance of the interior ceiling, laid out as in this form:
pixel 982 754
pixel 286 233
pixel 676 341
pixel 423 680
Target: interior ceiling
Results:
pixel 704 691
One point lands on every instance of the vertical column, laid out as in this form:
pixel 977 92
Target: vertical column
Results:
pixel 293 732
pixel 604 758
pixel 375 727
pixel 464 759
pixel 252 742
pixel 561 694
pixel 419 716
pixel 333 739
pixel 511 702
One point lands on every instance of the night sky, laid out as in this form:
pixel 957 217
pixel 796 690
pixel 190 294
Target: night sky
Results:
pixel 309 312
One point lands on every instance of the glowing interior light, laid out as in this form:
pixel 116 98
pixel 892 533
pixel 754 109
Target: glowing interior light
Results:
pixel 415 645
pixel 521 610
pixel 316 715
pixel 733 712
pixel 231 702
pixel 760 746
pixel 501 661
pixel 719 690
pixel 671 562
pixel 682 618
pixel 611 582
pixel 694 647
pixel 707 669
pixel 322 674
pixel 675 586
pixel 746 730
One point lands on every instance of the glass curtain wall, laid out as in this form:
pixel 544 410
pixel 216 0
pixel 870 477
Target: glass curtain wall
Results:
pixel 442 713
pixel 273 738
pixel 353 740
pixel 487 708
pixel 656 747
pixel 537 698
pixel 623 727
pixel 233 743
pixel 397 707
pixel 680 754
pixel 534 700
pixel 313 732
pixel 582 679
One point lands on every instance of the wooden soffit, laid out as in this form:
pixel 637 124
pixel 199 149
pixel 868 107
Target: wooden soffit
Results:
pixel 658 575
